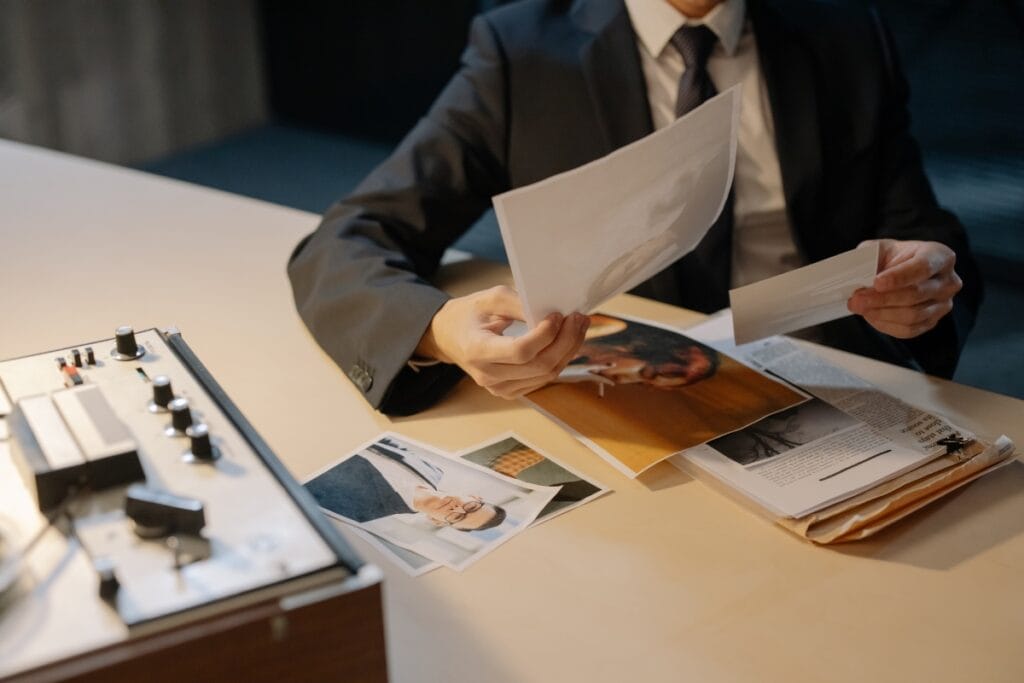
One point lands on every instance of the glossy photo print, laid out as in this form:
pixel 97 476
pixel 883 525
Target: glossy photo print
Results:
pixel 513 457
pixel 444 509
pixel 638 393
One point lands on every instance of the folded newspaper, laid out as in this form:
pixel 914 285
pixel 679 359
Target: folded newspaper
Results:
pixel 845 464
pixel 835 460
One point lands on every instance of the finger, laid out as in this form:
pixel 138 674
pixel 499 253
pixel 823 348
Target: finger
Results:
pixel 910 315
pixel 500 301
pixel 933 289
pixel 551 359
pixel 903 331
pixel 570 353
pixel 494 348
pixel 907 322
pixel 574 350
pixel 568 341
pixel 910 272
pixel 890 252
pixel 923 265
pixel 516 388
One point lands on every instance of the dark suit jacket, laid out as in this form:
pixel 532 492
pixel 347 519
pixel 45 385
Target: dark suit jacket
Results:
pixel 548 85
pixel 355 489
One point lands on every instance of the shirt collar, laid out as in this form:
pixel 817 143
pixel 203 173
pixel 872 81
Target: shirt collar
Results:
pixel 656 21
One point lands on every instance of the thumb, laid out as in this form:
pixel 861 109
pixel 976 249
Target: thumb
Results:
pixel 885 252
pixel 502 301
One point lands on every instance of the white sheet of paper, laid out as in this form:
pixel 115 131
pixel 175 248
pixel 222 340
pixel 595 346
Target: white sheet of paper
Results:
pixel 807 296
pixel 581 237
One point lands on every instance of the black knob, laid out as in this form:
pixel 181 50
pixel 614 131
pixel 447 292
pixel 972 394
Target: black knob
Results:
pixel 126 348
pixel 162 392
pixel 181 414
pixel 126 345
pixel 161 513
pixel 109 585
pixel 200 446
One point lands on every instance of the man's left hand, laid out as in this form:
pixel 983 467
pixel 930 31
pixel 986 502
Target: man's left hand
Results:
pixel 913 290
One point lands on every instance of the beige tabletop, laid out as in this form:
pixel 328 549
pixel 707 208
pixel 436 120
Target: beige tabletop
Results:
pixel 663 580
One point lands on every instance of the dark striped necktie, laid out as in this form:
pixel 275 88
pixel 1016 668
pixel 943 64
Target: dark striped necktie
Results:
pixel 694 44
pixel 699 280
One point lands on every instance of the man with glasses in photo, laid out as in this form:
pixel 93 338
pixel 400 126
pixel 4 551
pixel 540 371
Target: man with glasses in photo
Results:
pixel 380 482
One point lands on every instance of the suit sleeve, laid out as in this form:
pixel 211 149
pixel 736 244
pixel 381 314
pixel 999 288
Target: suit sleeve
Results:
pixel 361 281
pixel 909 211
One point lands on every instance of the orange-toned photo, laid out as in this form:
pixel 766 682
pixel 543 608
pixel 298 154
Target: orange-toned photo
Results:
pixel 641 393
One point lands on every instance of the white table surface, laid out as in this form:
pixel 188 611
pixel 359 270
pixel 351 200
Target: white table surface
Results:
pixel 663 580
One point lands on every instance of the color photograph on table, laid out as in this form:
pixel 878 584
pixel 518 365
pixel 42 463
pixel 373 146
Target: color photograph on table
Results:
pixel 510 455
pixel 444 509
pixel 513 457
pixel 637 393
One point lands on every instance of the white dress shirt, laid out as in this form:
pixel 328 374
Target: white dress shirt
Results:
pixel 762 243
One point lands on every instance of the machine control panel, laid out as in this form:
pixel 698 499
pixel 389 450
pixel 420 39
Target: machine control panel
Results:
pixel 130 449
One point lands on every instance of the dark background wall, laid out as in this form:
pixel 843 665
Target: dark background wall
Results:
pixel 965 62
pixel 367 69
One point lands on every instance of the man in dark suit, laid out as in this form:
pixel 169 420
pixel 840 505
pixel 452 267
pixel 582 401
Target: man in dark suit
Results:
pixel 825 162
pixel 383 481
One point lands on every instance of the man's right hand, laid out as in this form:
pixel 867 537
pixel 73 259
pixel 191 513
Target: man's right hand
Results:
pixel 467 331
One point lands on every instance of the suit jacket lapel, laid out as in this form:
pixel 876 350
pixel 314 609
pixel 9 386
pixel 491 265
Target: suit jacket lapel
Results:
pixel 611 66
pixel 788 69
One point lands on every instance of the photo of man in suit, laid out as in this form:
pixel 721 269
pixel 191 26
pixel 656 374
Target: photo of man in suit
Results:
pixel 383 480
pixel 615 352
pixel 825 161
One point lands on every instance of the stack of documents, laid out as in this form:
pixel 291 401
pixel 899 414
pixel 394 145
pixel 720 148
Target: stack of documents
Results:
pixel 847 462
